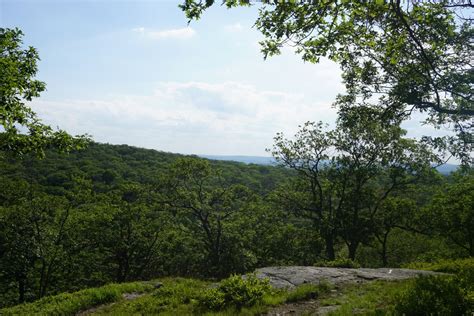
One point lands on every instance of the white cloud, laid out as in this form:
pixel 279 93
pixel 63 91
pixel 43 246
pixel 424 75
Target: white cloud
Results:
pixel 235 27
pixel 225 118
pixel 180 33
pixel 191 117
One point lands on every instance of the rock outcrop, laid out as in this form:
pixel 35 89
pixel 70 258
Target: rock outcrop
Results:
pixel 289 277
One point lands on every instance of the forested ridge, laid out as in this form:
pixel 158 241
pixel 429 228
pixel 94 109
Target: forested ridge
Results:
pixel 96 228
pixel 115 213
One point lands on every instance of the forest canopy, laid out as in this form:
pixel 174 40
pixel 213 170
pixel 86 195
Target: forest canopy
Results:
pixel 77 214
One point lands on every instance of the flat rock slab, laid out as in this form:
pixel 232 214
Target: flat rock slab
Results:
pixel 289 277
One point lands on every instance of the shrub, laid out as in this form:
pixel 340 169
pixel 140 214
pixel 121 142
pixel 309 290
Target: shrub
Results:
pixel 338 263
pixel 455 266
pixel 462 268
pixel 236 291
pixel 433 295
pixel 213 299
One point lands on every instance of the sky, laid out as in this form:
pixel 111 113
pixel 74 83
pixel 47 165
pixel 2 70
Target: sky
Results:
pixel 134 72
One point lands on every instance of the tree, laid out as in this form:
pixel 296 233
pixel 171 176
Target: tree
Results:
pixel 394 213
pixel 130 233
pixel 451 212
pixel 410 55
pixel 345 174
pixel 208 204
pixel 21 131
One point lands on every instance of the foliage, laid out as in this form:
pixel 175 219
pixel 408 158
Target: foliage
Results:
pixel 236 291
pixel 21 131
pixel 434 295
pixel 346 174
pixel 462 268
pixel 407 57
pixel 447 265
pixel 72 303
pixel 104 214
pixel 451 212
pixel 94 216
pixel 211 204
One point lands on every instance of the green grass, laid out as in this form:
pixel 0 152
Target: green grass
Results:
pixel 276 297
pixel 374 298
pixel 306 292
pixel 181 297
pixel 382 297
pixel 177 296
pixel 71 303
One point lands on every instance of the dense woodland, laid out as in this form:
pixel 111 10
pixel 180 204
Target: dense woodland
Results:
pixel 119 213
pixel 76 214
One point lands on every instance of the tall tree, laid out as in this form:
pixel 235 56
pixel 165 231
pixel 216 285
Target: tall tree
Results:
pixel 345 174
pixel 411 55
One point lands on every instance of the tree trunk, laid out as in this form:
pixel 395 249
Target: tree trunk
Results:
pixel 21 290
pixel 330 255
pixel 384 249
pixel 352 247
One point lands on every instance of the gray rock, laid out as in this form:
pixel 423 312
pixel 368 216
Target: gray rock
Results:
pixel 289 277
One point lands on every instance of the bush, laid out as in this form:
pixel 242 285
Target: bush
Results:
pixel 455 266
pixel 433 295
pixel 236 291
pixel 462 268
pixel 338 263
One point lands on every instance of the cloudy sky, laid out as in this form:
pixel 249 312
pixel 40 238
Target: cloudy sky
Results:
pixel 133 72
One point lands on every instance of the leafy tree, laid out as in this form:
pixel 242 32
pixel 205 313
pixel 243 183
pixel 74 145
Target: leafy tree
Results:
pixel 35 233
pixel 21 131
pixel 346 174
pixel 394 213
pixel 451 212
pixel 208 203
pixel 410 55
pixel 131 233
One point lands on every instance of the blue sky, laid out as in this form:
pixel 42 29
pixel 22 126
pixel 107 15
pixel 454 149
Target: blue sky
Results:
pixel 133 72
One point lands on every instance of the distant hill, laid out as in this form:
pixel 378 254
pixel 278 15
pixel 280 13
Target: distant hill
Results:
pixel 447 168
pixel 260 160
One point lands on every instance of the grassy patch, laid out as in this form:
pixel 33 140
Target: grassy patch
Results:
pixel 306 292
pixel 71 303
pixel 184 297
pixel 177 296
pixel 274 298
pixel 374 298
